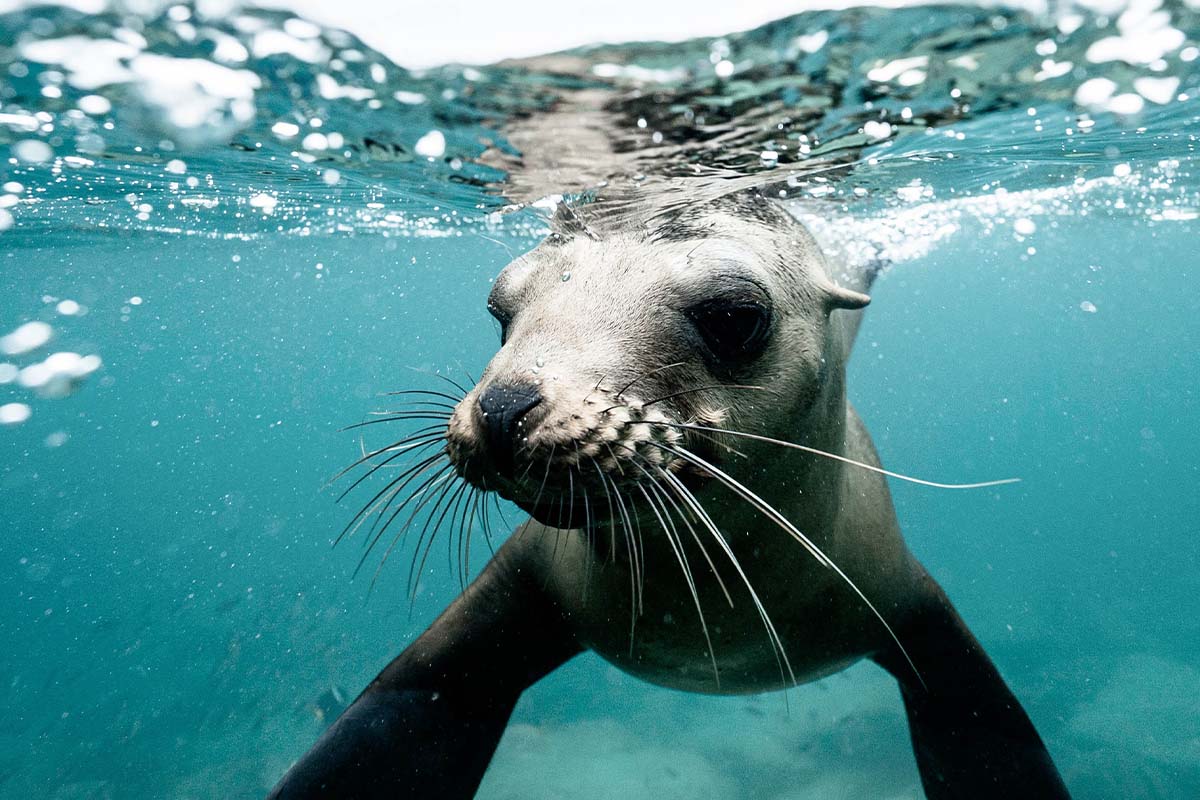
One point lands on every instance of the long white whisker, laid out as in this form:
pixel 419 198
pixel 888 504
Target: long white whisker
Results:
pixel 776 642
pixel 843 459
pixel 771 513
pixel 676 544
pixel 664 498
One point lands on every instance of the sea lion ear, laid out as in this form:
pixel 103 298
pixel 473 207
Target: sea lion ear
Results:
pixel 840 297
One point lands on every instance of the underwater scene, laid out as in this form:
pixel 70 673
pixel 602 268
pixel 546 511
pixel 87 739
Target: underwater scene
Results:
pixel 227 233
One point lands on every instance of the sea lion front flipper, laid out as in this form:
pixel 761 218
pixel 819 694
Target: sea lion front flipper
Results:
pixel 972 738
pixel 428 725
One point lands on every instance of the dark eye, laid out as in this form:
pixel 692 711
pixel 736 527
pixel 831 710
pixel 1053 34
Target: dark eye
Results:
pixel 501 316
pixel 733 330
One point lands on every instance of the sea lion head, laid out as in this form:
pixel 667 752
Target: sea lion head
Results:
pixel 615 339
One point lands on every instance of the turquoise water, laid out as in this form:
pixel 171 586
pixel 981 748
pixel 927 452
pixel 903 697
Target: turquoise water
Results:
pixel 177 623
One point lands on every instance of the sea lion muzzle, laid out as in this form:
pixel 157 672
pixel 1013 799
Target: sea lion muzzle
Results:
pixel 502 408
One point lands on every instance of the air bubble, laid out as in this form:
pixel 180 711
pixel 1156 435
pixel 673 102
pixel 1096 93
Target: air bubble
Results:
pixel 14 413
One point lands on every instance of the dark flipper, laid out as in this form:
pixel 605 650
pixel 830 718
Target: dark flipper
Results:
pixel 429 724
pixel 972 739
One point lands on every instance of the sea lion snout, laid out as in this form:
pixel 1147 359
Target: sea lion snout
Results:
pixel 553 443
pixel 503 408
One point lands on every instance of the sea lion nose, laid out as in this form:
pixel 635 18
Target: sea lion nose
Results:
pixel 503 406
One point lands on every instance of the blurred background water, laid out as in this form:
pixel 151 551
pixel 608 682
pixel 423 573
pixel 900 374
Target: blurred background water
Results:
pixel 224 231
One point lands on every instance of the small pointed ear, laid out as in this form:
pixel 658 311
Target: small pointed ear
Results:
pixel 839 297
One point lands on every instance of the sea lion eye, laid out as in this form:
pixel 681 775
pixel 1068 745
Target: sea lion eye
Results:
pixel 501 316
pixel 732 330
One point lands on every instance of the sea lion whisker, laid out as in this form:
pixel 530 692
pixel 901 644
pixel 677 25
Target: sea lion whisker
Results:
pixel 444 395
pixel 446 410
pixel 437 491
pixel 385 462
pixel 397 418
pixel 423 405
pixel 612 528
pixel 762 505
pixel 844 459
pixel 640 547
pixel 589 541
pixel 634 577
pixel 395 486
pixel 549 461
pixel 616 461
pixel 709 387
pixel 485 522
pixel 455 507
pixel 407 450
pixel 690 500
pixel 465 526
pixel 676 544
pixel 771 513
pixel 594 389
pixel 440 376
pixel 590 532
pixel 397 447
pixel 500 511
pixel 647 374
pixel 570 492
pixel 422 492
pixel 638 460
pixel 447 494
pixel 558 531
pixel 664 495
pixel 438 428
pixel 375 532
pixel 456 539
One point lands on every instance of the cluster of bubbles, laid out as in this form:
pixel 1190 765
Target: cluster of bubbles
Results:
pixel 213 119
pixel 30 363
pixel 58 375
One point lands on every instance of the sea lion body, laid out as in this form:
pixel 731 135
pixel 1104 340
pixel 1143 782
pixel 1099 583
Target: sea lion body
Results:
pixel 642 371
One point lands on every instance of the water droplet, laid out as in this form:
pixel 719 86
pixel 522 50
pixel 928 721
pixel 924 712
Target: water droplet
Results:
pixel 541 362
pixel 1088 306
pixel 566 276
pixel 431 145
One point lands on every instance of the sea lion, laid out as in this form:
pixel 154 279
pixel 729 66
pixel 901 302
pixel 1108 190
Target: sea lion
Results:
pixel 645 371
